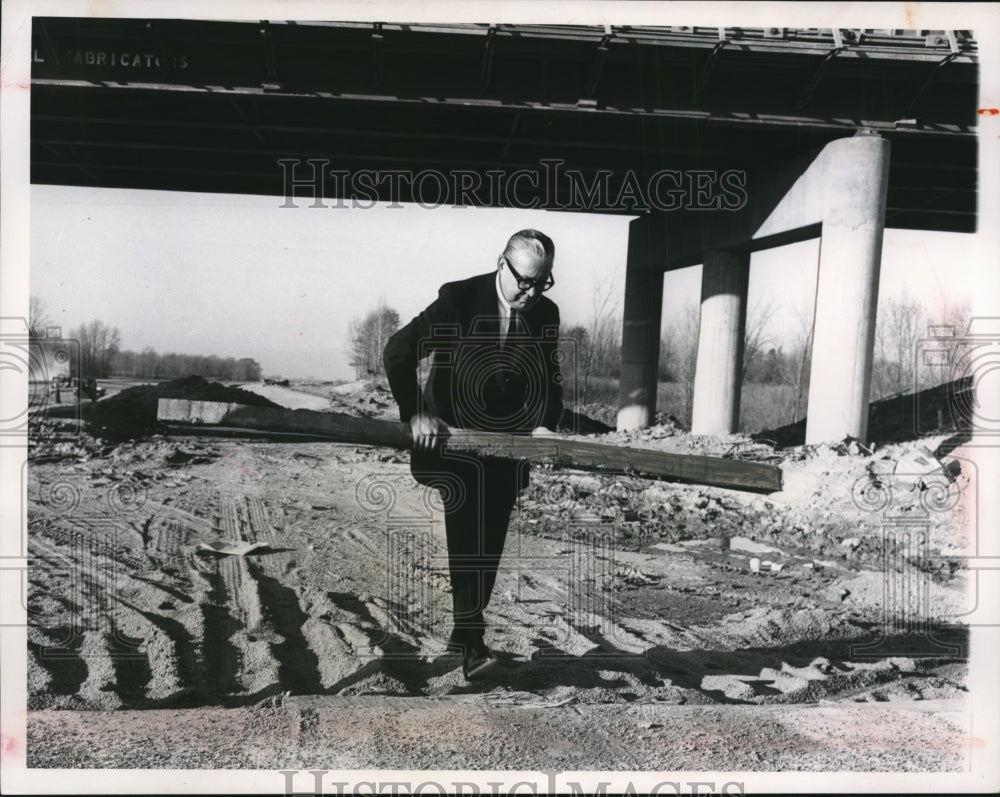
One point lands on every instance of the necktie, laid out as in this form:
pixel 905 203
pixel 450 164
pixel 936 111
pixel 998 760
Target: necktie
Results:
pixel 511 326
pixel 503 373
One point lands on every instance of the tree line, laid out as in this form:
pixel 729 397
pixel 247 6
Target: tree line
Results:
pixel 148 364
pixel 96 353
pixel 775 373
pixel 591 352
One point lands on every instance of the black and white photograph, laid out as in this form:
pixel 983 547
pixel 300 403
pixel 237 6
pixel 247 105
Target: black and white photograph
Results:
pixel 499 398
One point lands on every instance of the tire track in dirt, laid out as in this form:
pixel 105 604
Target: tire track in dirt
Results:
pixel 237 660
pixel 173 509
pixel 178 675
pixel 80 558
pixel 336 638
pixel 167 543
pixel 224 629
pixel 361 638
pixel 130 657
pixel 55 652
pixel 218 654
pixel 369 637
pixel 298 670
pixel 280 605
pixel 254 642
pixel 158 604
pixel 377 659
pixel 58 650
pixel 405 612
pixel 107 602
pixel 99 688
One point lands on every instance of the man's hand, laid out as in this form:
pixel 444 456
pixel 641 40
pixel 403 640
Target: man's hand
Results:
pixel 428 430
pixel 543 431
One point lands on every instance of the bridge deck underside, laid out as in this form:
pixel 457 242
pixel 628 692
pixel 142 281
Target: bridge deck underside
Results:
pixel 214 106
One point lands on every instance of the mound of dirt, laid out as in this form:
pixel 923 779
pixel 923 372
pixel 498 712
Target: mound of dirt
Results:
pixel 899 418
pixel 131 414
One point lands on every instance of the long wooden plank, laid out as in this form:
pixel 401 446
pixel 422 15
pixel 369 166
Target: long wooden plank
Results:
pixel 580 454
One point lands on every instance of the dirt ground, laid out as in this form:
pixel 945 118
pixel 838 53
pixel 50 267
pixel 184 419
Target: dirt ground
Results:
pixel 637 606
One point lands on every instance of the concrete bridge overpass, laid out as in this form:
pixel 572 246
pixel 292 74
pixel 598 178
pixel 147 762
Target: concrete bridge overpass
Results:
pixel 723 141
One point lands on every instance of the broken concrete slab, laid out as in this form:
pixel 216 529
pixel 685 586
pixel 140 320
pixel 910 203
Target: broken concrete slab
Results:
pixel 917 466
pixel 195 412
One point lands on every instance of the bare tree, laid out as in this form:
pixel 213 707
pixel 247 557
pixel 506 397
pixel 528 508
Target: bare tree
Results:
pixel 604 332
pixel 901 324
pixel 679 343
pixel 799 360
pixel 756 336
pixel 596 347
pixel 38 318
pixel 950 320
pixel 147 362
pixel 368 337
pixel 574 343
pixel 98 343
pixel 957 316
pixel 667 368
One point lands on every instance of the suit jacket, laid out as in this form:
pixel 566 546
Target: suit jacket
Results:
pixel 474 381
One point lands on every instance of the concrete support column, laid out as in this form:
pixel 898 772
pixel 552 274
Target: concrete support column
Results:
pixel 719 367
pixel 640 330
pixel 854 187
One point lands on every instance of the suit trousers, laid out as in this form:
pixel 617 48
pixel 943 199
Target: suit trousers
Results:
pixel 478 494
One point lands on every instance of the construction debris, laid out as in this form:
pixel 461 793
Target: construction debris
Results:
pixel 918 467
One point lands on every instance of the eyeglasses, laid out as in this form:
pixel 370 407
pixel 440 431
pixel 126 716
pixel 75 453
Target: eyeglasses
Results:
pixel 525 284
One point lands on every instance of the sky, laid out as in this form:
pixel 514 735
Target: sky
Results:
pixel 241 276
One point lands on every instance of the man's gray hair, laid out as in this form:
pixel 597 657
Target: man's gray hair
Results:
pixel 538 243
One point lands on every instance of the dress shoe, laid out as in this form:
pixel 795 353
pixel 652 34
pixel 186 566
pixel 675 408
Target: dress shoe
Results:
pixel 479 660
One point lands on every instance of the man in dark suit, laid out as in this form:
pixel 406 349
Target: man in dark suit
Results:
pixel 494 368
